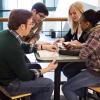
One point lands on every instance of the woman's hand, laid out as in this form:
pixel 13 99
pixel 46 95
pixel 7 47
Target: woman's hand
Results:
pixel 73 46
pixel 75 42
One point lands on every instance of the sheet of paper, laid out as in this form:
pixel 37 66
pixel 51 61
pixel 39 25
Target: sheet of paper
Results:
pixel 44 53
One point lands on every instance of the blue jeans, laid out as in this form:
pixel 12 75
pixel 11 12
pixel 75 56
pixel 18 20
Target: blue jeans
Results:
pixel 83 79
pixel 73 68
pixel 40 88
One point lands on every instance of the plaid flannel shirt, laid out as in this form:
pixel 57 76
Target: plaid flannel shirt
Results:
pixel 91 50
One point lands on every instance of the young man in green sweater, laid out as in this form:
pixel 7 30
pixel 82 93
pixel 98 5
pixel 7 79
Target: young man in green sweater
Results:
pixel 15 76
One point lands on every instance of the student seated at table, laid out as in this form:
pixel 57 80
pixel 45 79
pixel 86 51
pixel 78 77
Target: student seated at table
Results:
pixel 90 52
pixel 39 12
pixel 72 69
pixel 15 76
pixel 75 33
pixel 75 36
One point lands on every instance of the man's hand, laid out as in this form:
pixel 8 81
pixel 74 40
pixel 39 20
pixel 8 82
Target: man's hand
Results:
pixel 50 47
pixel 59 40
pixel 52 66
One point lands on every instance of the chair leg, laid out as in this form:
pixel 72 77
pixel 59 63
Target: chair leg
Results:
pixel 85 92
pixel 80 98
pixel 83 98
pixel 3 97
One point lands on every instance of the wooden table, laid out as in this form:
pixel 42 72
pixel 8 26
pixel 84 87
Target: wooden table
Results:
pixel 61 59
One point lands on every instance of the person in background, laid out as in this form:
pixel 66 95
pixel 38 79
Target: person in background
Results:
pixel 15 76
pixel 75 35
pixel 90 52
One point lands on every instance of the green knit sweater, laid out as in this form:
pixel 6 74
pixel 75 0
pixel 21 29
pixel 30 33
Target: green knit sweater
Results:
pixel 12 62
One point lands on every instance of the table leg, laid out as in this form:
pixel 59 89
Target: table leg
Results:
pixel 57 77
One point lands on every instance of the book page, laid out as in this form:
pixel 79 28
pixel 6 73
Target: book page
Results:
pixel 45 53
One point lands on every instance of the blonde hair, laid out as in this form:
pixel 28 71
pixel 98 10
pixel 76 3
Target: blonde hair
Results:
pixel 78 6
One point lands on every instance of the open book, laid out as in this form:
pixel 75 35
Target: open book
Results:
pixel 45 53
pixel 48 56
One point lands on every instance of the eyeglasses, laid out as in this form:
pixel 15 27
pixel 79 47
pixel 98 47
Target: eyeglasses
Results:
pixel 30 23
pixel 41 16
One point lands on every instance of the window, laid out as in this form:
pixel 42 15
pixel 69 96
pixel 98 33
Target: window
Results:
pixel 51 4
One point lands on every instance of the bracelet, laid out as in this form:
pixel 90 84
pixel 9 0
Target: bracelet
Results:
pixel 41 47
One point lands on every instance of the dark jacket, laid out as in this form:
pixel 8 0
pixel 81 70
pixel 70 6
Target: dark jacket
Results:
pixel 12 60
pixel 82 39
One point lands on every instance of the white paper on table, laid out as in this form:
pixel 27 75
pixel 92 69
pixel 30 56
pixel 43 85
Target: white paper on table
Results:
pixel 45 53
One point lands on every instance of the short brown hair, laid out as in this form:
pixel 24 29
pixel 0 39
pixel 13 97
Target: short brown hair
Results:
pixel 18 17
pixel 40 8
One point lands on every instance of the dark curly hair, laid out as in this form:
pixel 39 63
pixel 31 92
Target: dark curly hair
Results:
pixel 92 16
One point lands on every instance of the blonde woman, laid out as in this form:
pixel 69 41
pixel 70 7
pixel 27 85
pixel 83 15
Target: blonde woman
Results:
pixel 75 33
pixel 76 36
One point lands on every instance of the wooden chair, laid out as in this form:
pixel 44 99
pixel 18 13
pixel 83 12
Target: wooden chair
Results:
pixel 95 89
pixel 17 97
